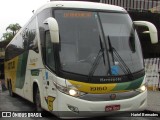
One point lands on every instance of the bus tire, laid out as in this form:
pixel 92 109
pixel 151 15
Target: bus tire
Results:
pixel 37 100
pixel 10 89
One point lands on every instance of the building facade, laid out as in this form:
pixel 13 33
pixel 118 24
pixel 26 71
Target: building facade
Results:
pixel 138 5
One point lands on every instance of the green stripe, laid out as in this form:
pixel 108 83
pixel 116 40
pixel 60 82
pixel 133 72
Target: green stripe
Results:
pixel 21 70
pixel 129 85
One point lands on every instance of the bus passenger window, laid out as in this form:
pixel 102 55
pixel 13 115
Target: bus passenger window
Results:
pixel 49 52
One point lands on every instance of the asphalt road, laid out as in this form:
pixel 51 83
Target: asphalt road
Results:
pixel 13 104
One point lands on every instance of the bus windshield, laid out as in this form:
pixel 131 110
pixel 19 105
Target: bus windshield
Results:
pixel 98 43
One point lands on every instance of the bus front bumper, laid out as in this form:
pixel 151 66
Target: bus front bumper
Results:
pixel 69 106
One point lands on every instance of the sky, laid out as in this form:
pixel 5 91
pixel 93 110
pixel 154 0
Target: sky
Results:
pixel 17 11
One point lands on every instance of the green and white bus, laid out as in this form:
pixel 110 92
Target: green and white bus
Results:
pixel 79 56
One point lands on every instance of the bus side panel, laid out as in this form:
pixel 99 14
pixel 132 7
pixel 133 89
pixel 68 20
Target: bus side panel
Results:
pixel 21 70
pixel 10 72
pixel 21 73
pixel 15 70
pixel 33 74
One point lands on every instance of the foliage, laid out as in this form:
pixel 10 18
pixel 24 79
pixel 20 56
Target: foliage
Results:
pixel 14 28
pixel 7 36
pixel 11 31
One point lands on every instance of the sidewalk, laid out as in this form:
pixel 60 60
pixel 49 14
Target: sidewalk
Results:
pixel 153 101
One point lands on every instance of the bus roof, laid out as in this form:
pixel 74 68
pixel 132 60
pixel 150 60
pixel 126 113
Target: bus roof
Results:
pixel 81 5
pixel 75 4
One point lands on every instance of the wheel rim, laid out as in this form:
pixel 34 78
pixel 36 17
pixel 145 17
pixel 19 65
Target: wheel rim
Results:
pixel 38 101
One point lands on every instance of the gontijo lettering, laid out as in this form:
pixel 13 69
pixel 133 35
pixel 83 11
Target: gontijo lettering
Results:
pixel 11 65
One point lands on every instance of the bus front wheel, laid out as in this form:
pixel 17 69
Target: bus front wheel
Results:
pixel 37 100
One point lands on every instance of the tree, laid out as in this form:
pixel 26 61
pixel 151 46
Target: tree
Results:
pixel 7 36
pixel 14 28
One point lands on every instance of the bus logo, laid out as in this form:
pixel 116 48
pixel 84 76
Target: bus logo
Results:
pixel 113 96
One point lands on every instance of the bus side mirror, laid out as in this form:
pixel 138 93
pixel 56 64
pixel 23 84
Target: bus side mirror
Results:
pixel 53 28
pixel 152 30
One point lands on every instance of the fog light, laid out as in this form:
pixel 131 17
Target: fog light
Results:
pixel 74 109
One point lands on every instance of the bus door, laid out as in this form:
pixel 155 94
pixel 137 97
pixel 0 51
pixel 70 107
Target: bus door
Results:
pixel 49 92
pixel 49 76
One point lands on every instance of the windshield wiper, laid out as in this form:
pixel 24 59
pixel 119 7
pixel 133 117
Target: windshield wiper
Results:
pixel 97 60
pixel 118 58
pixel 95 63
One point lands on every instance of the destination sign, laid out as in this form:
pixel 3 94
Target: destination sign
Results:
pixel 78 14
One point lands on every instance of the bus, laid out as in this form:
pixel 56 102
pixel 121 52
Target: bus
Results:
pixel 75 56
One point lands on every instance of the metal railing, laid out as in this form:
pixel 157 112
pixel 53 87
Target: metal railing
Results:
pixel 139 5
pixel 152 70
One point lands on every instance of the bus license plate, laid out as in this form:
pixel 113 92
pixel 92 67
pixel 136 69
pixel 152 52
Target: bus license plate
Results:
pixel 112 108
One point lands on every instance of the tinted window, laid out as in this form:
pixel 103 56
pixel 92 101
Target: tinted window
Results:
pixel 26 40
pixel 29 36
pixel 49 51
pixel 15 48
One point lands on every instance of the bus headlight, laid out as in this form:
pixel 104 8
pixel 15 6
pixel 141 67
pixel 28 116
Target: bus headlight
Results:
pixel 70 91
pixel 73 92
pixel 142 88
